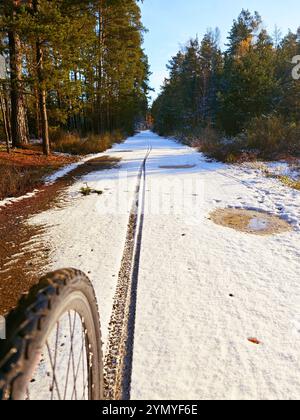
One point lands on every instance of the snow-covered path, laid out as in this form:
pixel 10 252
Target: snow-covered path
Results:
pixel 203 289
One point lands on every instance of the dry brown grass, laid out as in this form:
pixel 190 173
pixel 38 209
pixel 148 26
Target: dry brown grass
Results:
pixel 73 144
pixel 272 136
pixel 267 138
pixel 16 180
pixel 286 180
pixel 23 170
pixel 289 182
pixel 214 144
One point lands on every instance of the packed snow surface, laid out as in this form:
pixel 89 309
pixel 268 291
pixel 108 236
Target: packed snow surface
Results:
pixel 204 290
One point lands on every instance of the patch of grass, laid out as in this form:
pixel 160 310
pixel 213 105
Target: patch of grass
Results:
pixel 86 191
pixel 289 182
pixel 16 181
pixel 284 179
pixel 73 144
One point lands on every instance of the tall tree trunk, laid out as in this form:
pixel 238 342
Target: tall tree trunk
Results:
pixel 8 111
pixel 18 111
pixel 5 119
pixel 42 100
pixel 37 113
pixel 101 40
pixel 42 94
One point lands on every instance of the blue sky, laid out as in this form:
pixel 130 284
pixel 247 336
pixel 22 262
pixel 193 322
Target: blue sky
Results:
pixel 172 22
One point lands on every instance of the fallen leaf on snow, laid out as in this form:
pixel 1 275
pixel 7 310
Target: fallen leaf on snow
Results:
pixel 254 341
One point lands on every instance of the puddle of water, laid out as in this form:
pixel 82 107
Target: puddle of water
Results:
pixel 23 253
pixel 177 166
pixel 258 224
pixel 122 151
pixel 249 221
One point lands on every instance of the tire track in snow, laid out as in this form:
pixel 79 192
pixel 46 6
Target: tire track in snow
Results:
pixel 119 352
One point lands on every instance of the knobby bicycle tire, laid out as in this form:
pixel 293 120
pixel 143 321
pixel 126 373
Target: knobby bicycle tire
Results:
pixel 30 324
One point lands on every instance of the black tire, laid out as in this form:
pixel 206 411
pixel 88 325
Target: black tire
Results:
pixel 29 325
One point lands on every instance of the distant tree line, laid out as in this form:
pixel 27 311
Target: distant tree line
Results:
pixel 245 96
pixel 73 64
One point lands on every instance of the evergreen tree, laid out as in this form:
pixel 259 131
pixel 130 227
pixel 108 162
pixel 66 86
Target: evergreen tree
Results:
pixel 188 98
pixel 250 85
pixel 288 98
pixel 79 64
pixel 10 12
pixel 248 82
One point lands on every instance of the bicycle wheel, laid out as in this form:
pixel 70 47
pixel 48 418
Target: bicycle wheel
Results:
pixel 53 346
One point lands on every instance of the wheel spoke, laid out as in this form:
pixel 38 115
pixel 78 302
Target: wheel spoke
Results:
pixel 77 370
pixel 71 354
pixel 84 361
pixel 53 367
pixel 73 358
pixel 71 330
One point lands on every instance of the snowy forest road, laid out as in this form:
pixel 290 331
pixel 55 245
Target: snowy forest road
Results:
pixel 203 289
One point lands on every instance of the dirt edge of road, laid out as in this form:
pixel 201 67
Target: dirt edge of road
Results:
pixel 23 254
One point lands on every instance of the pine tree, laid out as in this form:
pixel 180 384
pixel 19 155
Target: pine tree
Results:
pixel 288 98
pixel 211 70
pixel 80 64
pixel 188 99
pixel 10 20
pixel 246 89
pixel 122 65
pixel 248 81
